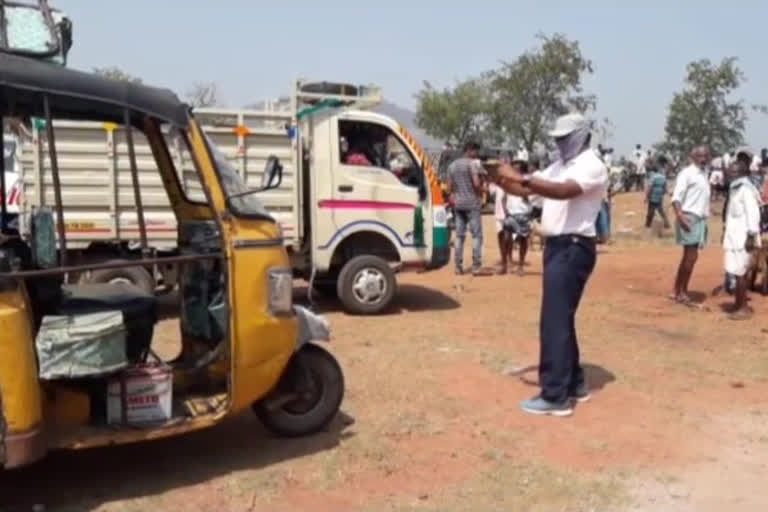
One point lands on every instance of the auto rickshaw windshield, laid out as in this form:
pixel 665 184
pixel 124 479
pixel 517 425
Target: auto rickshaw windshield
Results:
pixel 233 184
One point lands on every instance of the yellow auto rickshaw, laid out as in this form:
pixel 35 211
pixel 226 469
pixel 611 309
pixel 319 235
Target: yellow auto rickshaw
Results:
pixel 77 368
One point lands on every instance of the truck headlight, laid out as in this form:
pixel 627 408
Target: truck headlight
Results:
pixel 280 292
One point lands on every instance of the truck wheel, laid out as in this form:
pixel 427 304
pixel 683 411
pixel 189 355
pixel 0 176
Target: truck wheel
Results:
pixel 366 285
pixel 310 392
pixel 137 276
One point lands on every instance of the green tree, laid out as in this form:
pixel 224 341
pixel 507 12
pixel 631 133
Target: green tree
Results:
pixel 454 115
pixel 116 73
pixel 542 84
pixel 704 112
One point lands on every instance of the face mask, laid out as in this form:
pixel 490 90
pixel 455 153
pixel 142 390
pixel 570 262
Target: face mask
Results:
pixel 572 144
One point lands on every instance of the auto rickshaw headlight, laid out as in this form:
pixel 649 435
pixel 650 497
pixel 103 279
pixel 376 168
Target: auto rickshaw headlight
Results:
pixel 280 291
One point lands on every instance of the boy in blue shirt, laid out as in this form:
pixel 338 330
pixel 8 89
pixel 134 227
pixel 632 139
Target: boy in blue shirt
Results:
pixel 655 192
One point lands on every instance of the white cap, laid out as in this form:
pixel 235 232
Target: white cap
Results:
pixel 567 124
pixel 745 149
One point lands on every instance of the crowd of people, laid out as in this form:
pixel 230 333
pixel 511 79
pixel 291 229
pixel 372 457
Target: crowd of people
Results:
pixel 570 202
pixel 738 178
pixel 516 217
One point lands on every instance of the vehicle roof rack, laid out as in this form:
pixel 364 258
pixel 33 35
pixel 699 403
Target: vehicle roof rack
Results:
pixel 319 96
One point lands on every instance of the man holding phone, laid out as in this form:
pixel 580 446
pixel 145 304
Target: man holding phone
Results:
pixel 572 189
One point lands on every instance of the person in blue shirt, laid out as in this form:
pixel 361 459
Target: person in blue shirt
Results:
pixel 655 192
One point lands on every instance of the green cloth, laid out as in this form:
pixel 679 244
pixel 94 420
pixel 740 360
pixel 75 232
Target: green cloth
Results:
pixel 697 235
pixel 43 240
pixel 76 346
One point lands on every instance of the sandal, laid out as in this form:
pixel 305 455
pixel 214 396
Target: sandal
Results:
pixel 742 314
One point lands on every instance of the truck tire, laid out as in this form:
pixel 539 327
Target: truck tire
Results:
pixel 319 396
pixel 137 276
pixel 366 285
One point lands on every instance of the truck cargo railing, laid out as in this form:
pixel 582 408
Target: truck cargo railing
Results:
pixel 320 96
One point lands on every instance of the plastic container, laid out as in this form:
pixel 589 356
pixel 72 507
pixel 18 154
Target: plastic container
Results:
pixel 145 392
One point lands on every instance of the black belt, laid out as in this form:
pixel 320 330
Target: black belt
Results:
pixel 572 239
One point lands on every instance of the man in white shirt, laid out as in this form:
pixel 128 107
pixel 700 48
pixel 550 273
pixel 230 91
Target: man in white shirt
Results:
pixel 573 188
pixel 691 202
pixel 639 161
pixel 643 169
pixel 742 234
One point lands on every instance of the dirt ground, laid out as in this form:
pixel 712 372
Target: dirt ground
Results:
pixel 431 422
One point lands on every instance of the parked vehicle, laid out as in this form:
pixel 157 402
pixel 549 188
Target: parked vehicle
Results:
pixel 76 366
pixel 348 226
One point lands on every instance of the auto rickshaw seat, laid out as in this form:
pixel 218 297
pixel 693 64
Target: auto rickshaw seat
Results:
pixel 139 310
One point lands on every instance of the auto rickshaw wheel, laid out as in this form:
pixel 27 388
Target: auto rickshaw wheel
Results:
pixel 309 394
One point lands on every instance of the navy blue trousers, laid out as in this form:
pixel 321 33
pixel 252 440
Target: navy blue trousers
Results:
pixel 568 263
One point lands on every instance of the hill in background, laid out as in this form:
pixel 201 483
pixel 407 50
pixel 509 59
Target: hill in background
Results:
pixel 407 118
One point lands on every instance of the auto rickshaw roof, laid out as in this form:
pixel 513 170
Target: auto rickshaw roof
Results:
pixel 76 95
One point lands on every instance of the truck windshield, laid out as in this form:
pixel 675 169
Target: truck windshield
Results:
pixel 233 184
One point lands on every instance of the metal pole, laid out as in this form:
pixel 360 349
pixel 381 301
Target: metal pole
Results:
pixel 56 182
pixel 3 191
pixel 135 180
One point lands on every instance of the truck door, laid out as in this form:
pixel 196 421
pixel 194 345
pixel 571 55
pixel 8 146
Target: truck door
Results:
pixel 376 182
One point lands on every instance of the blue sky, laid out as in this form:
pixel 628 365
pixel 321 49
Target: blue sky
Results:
pixel 254 49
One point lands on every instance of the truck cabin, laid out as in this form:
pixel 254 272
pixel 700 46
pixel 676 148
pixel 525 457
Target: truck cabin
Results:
pixel 368 144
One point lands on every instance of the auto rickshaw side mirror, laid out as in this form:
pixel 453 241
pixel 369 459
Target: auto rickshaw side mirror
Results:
pixel 273 174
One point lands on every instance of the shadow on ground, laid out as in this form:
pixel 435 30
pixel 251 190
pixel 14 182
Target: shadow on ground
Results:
pixel 698 297
pixel 78 481
pixel 597 376
pixel 409 298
